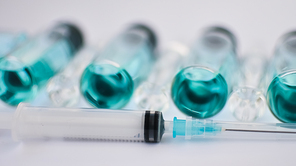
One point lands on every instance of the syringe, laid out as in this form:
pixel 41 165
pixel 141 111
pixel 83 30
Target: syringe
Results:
pixel 138 126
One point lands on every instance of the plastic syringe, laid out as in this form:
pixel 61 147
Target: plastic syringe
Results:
pixel 139 126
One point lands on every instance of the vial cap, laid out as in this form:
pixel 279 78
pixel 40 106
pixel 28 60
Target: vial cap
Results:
pixel 72 33
pixel 148 31
pixel 224 31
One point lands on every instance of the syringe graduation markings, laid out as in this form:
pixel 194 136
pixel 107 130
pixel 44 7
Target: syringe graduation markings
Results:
pixel 128 125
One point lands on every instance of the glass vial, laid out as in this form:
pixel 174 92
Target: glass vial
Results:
pixel 109 82
pixel 154 93
pixel 9 41
pixel 63 88
pixel 247 101
pixel 281 92
pixel 27 69
pixel 201 89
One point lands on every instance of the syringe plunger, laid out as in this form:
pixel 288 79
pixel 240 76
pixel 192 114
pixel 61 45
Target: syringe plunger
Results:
pixel 126 125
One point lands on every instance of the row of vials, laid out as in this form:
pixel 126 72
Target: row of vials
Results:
pixel 199 80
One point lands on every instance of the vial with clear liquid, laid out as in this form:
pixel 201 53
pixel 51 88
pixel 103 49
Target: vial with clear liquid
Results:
pixel 109 82
pixel 154 93
pixel 201 89
pixel 63 88
pixel 247 101
pixel 27 69
pixel 281 91
pixel 9 41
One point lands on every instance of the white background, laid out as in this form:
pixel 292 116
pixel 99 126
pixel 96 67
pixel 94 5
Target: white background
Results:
pixel 256 24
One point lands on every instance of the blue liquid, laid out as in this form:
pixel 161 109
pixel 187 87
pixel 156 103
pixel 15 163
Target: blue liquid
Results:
pixel 21 81
pixel 109 82
pixel 281 97
pixel 106 86
pixel 199 92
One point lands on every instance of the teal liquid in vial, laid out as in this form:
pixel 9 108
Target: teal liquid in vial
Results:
pixel 202 88
pixel 107 86
pixel 199 92
pixel 109 82
pixel 281 92
pixel 281 97
pixel 27 69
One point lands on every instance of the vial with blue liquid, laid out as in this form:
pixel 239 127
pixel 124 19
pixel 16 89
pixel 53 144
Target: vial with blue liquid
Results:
pixel 123 64
pixel 201 89
pixel 27 69
pixel 281 92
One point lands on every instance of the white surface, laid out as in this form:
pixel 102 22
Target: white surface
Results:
pixel 255 23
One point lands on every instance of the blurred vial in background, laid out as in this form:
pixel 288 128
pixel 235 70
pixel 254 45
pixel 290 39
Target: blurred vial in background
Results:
pixel 109 82
pixel 27 69
pixel 281 93
pixel 63 88
pixel 9 41
pixel 247 101
pixel 154 93
pixel 201 89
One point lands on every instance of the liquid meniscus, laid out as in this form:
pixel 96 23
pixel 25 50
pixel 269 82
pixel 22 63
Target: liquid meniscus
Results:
pixel 27 69
pixel 281 97
pixel 199 92
pixel 106 86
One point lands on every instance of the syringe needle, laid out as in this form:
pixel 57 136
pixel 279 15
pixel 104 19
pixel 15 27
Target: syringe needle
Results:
pixel 261 131
pixel 139 126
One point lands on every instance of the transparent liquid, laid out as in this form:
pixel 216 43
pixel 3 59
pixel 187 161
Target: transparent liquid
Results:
pixel 63 88
pixel 281 97
pixel 153 97
pixel 247 104
pixel 199 92
pixel 106 86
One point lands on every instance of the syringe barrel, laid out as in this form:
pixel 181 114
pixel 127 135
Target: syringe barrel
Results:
pixel 102 124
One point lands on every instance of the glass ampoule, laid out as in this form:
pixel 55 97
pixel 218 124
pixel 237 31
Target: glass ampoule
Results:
pixel 27 69
pixel 63 88
pixel 9 41
pixel 281 91
pixel 247 101
pixel 201 89
pixel 154 92
pixel 122 65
